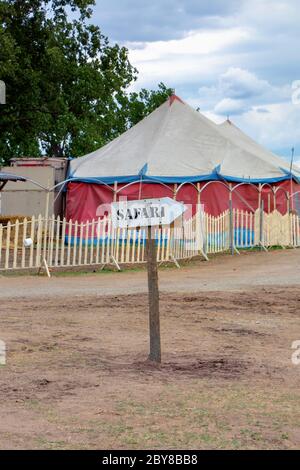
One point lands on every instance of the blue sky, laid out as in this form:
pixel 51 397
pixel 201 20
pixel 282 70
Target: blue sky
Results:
pixel 228 57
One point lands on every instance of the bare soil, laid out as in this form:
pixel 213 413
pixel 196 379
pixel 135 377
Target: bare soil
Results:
pixel 77 375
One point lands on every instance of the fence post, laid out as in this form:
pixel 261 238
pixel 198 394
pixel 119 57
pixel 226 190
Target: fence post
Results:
pixel 16 241
pixel 1 242
pixel 8 230
pixel 261 227
pixel 38 260
pixel 45 247
pixel 231 225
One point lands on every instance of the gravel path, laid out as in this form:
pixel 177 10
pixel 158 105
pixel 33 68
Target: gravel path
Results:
pixel 249 270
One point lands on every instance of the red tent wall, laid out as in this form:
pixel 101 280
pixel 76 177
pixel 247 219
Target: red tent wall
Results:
pixel 85 200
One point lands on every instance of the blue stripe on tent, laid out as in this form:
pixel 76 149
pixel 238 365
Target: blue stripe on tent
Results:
pixel 183 179
pixel 257 180
pixel 143 170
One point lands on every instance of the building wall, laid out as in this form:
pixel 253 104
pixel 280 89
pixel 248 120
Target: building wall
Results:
pixel 25 198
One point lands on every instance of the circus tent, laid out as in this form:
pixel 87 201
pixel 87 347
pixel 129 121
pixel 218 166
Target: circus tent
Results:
pixel 178 152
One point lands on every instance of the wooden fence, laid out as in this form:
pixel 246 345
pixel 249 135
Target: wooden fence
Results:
pixel 61 243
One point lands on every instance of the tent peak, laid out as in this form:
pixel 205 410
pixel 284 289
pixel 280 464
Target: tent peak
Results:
pixel 173 98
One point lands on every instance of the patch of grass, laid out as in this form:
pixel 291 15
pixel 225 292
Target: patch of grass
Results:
pixel 47 444
pixel 201 417
pixel 193 416
pixel 33 404
pixel 253 435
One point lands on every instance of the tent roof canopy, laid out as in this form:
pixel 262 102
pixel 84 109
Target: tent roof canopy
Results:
pixel 177 144
pixel 11 177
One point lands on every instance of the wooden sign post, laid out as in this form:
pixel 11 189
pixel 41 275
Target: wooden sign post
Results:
pixel 149 213
pixel 154 319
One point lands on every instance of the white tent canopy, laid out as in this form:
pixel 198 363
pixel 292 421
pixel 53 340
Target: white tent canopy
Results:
pixel 175 143
pixel 243 140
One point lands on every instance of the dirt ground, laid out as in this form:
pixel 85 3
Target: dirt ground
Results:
pixel 77 378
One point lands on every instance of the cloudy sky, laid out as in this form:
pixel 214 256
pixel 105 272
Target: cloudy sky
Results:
pixel 232 58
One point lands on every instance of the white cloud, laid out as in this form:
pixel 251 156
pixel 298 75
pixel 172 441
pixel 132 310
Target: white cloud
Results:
pixel 271 15
pixel 240 62
pixel 199 43
pixel 278 128
pixel 229 106
pixel 238 83
pixel 238 91
pixel 197 56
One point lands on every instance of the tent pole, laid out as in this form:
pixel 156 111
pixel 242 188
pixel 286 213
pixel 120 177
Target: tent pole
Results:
pixel 259 196
pixel 231 227
pixel 174 191
pixel 292 191
pixel 199 194
pixel 261 228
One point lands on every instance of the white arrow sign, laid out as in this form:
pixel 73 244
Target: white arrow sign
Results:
pixel 145 212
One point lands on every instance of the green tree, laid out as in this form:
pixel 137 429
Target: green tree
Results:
pixel 66 84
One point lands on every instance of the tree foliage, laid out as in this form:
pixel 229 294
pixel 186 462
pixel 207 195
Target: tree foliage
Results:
pixel 67 86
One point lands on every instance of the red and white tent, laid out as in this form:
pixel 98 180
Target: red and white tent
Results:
pixel 178 152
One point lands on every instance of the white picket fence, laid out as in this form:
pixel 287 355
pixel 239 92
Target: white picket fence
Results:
pixel 62 243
